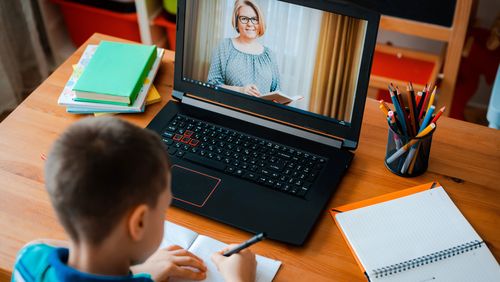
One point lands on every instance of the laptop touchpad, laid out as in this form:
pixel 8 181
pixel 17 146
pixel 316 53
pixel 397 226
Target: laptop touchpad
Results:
pixel 191 186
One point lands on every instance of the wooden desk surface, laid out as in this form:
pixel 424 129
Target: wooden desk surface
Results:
pixel 465 159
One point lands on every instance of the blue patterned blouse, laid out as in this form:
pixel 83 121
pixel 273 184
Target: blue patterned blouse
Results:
pixel 231 66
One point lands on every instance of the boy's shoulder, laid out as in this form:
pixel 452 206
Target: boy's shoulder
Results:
pixel 32 264
pixel 42 262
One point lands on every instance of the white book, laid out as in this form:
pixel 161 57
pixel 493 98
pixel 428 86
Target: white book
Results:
pixel 67 95
pixel 204 247
pixel 420 237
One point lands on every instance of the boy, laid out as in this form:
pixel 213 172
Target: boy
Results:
pixel 109 182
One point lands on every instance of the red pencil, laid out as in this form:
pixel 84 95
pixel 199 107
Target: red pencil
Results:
pixel 436 117
pixel 424 105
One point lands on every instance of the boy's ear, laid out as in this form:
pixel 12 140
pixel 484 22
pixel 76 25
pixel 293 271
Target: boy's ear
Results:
pixel 137 221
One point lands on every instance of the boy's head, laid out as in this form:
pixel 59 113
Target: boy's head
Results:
pixel 103 173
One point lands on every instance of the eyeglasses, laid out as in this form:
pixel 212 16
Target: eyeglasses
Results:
pixel 244 20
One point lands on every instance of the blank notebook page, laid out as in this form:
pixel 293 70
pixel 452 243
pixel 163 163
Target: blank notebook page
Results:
pixel 405 228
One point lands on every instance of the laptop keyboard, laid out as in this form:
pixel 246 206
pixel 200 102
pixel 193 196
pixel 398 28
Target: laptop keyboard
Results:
pixel 271 164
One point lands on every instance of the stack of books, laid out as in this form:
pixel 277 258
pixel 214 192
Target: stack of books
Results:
pixel 113 77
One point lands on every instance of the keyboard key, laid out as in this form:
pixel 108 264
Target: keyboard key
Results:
pixel 204 161
pixel 172 151
pixel 167 134
pixel 177 137
pixel 194 142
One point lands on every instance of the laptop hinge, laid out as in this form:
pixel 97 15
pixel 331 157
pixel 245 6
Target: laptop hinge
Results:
pixel 329 141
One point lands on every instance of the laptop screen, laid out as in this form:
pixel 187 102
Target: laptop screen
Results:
pixel 278 59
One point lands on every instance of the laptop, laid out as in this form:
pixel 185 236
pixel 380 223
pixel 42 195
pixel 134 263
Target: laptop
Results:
pixel 267 108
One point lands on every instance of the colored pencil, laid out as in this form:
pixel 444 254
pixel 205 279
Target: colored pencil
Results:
pixel 436 117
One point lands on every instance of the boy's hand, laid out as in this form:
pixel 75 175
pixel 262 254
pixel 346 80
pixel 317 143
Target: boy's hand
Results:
pixel 172 261
pixel 238 267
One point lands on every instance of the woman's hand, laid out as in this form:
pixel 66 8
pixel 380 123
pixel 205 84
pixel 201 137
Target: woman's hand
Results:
pixel 172 261
pixel 250 89
pixel 239 267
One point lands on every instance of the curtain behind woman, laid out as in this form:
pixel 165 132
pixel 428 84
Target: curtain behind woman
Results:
pixel 337 66
pixel 204 16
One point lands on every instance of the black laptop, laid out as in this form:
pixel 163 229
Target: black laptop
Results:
pixel 267 109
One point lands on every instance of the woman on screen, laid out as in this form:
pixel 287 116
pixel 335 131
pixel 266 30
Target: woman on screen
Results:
pixel 243 64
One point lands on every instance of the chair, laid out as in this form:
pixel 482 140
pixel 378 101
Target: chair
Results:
pixel 426 65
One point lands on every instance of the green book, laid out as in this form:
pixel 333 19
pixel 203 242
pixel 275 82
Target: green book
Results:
pixel 115 74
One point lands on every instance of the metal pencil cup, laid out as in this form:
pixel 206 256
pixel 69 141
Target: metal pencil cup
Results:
pixel 410 162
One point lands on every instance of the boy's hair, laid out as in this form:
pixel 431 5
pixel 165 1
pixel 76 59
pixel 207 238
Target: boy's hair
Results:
pixel 101 168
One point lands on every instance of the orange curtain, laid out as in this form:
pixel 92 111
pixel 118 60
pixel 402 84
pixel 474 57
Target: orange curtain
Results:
pixel 337 65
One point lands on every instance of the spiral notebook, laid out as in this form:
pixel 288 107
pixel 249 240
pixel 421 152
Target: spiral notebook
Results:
pixel 415 235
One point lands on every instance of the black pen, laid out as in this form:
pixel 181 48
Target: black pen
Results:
pixel 246 244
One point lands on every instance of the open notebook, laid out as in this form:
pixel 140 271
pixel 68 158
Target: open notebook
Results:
pixel 418 237
pixel 204 247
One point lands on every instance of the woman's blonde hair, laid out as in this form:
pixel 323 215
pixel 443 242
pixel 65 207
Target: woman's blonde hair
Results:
pixel 261 28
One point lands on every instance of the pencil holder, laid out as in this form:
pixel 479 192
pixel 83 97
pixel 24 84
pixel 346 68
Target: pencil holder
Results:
pixel 405 156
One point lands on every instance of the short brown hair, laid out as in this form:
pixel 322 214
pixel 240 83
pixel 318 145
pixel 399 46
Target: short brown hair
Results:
pixel 98 170
pixel 240 3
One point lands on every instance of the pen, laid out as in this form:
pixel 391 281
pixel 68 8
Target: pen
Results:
pixel 246 244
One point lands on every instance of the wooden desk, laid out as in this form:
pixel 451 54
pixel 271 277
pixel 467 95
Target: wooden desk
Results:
pixel 465 158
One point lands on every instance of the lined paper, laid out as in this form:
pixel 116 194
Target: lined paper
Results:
pixel 407 228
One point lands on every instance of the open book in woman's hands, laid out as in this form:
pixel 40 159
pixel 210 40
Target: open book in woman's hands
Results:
pixel 278 97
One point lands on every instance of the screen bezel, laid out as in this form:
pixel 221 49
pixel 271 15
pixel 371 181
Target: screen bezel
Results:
pixel 289 115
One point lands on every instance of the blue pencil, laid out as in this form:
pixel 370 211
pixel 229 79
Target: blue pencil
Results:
pixel 427 118
pixel 399 111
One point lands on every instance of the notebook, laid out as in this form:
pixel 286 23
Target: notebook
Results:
pixel 115 73
pixel 204 247
pixel 68 95
pixel 417 237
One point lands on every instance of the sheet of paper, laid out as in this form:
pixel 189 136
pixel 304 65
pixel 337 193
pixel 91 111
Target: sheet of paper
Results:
pixel 406 228
pixel 205 246
pixel 175 234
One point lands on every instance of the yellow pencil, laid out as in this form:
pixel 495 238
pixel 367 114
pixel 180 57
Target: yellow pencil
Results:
pixel 431 99
pixel 426 131
pixel 383 109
